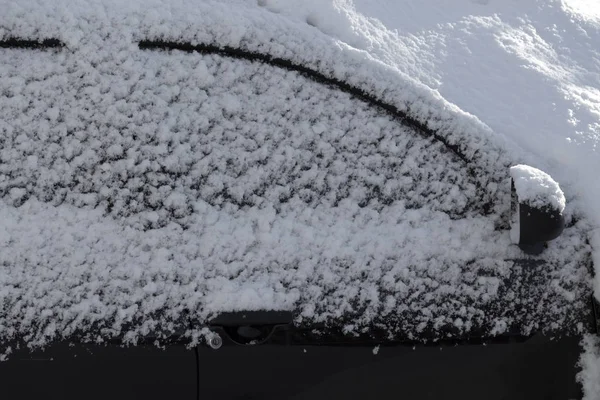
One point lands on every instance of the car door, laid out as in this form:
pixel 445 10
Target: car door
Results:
pixel 210 181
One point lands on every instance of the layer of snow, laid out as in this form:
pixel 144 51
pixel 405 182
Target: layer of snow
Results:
pixel 138 185
pixel 536 188
pixel 589 376
pixel 529 70
pixel 240 186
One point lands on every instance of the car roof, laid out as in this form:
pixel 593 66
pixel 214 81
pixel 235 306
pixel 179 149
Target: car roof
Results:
pixel 164 164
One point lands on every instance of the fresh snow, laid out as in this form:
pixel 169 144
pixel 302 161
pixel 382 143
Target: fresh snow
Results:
pixel 139 185
pixel 537 188
pixel 269 215
pixel 589 376
pixel 530 70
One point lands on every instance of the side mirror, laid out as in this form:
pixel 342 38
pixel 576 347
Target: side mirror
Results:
pixel 537 208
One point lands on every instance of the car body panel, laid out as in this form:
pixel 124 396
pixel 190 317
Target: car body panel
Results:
pixel 162 166
pixel 538 368
pixel 239 185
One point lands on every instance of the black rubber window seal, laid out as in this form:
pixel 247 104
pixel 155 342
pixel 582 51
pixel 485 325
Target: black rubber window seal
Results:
pixel 17 43
pixel 404 117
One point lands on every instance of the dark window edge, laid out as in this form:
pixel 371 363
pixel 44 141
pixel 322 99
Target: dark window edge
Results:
pixel 404 117
pixel 17 43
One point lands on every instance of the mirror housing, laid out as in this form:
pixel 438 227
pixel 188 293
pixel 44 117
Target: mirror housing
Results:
pixel 537 209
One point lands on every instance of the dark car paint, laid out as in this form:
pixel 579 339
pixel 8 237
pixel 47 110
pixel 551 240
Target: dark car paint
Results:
pixel 539 368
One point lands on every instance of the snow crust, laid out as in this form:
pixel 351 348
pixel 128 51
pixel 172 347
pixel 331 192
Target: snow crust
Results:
pixel 537 188
pixel 139 186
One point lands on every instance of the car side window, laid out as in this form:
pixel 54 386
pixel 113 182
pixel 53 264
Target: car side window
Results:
pixel 147 139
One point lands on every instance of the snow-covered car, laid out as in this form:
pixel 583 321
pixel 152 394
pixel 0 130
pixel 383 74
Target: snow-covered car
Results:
pixel 201 200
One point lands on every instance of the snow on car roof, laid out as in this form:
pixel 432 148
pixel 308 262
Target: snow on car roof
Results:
pixel 141 186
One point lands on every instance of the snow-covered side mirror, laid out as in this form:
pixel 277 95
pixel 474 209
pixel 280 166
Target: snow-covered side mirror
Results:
pixel 537 208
